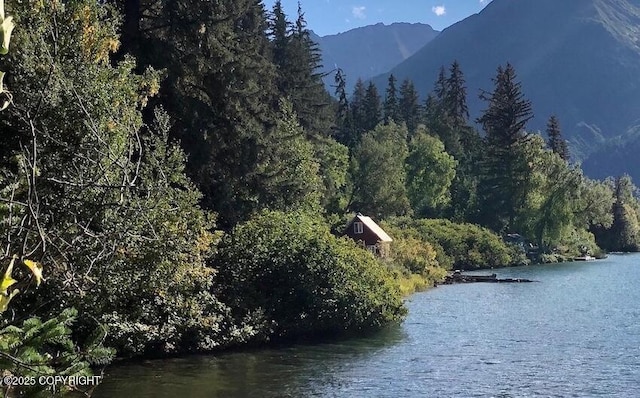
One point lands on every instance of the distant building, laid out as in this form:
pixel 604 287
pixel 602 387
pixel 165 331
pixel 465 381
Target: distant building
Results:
pixel 364 230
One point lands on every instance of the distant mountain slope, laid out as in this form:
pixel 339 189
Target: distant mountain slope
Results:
pixel 371 50
pixel 579 59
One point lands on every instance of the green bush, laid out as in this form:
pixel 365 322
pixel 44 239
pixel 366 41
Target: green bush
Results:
pixel 413 262
pixel 578 242
pixel 459 246
pixel 301 280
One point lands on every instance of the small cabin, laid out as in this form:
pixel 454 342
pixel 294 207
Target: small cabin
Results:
pixel 364 230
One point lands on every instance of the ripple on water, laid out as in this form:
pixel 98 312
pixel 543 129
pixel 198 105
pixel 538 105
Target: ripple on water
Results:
pixel 574 334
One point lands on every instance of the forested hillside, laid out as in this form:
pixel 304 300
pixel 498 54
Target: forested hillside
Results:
pixel 175 178
pixel 577 59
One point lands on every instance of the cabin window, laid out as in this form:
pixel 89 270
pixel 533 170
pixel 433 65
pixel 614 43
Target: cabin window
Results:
pixel 373 249
pixel 358 227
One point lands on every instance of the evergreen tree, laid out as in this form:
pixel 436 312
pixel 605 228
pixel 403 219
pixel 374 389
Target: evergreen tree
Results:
pixel 625 230
pixel 287 167
pixel 410 111
pixel 302 82
pixel 431 111
pixel 455 99
pixel 556 143
pixel 450 118
pixel 505 175
pixel 344 122
pixel 448 113
pixel 440 89
pixel 372 107
pixel 391 107
pixel 358 114
pixel 508 111
pixel 279 29
pixel 221 92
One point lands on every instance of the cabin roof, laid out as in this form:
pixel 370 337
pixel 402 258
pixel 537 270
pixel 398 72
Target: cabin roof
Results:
pixel 373 227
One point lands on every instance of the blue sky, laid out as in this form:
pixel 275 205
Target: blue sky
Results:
pixel 327 17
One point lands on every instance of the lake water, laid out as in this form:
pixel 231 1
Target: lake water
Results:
pixel 575 333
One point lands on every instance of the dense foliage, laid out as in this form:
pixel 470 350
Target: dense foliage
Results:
pixel 378 172
pixel 36 349
pixel 172 165
pixel 458 246
pixel 289 272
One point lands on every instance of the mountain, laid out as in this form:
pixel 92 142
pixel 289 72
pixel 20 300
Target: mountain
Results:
pixel 371 50
pixel 579 59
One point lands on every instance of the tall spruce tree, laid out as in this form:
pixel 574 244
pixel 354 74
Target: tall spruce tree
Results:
pixel 301 80
pixel 442 118
pixel 279 29
pixel 344 124
pixel 358 110
pixel 504 182
pixel 221 92
pixel 455 99
pixel 358 114
pixel 372 107
pixel 463 142
pixel 556 143
pixel 440 87
pixel 227 66
pixel 391 107
pixel 410 112
pixel 431 111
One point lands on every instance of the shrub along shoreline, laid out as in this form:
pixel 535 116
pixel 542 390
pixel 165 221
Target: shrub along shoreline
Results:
pixel 283 277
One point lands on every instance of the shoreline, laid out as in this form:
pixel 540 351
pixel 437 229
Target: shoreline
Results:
pixel 314 340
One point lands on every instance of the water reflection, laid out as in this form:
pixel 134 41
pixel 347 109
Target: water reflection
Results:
pixel 289 371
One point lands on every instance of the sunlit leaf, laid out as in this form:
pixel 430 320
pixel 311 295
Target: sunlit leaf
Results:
pixel 4 300
pixel 36 270
pixel 7 279
pixel 6 284
pixel 5 30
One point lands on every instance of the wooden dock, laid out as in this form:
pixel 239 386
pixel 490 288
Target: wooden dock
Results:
pixel 459 277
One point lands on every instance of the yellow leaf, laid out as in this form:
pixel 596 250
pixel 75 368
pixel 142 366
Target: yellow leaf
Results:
pixel 7 280
pixel 6 284
pixel 36 270
pixel 4 300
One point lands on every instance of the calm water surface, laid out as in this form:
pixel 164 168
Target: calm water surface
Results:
pixel 575 333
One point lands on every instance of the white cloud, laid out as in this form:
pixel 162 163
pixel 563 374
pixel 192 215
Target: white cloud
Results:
pixel 484 2
pixel 358 12
pixel 439 10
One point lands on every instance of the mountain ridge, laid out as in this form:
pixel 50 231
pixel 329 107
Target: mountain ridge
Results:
pixel 579 59
pixel 370 50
